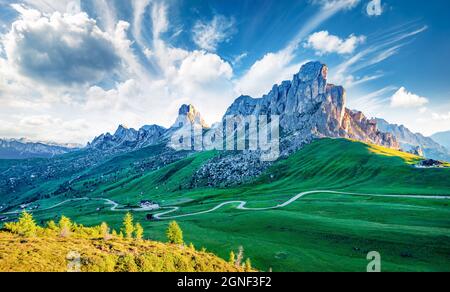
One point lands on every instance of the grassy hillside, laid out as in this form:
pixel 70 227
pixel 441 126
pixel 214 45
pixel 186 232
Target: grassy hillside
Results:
pixel 321 232
pixel 49 254
pixel 27 247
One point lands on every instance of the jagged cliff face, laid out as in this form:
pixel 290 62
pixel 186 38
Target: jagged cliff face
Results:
pixel 125 139
pixel 311 108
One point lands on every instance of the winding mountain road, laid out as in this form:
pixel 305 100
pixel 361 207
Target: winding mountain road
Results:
pixel 241 205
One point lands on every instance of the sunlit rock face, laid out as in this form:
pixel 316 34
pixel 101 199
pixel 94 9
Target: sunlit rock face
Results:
pixel 311 108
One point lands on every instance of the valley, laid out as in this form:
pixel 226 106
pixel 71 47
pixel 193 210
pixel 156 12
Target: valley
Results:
pixel 329 230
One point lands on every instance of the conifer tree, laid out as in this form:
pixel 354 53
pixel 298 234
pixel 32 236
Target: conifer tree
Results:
pixel 138 231
pixel 26 226
pixel 232 258
pixel 52 225
pixel 174 233
pixel 248 265
pixel 128 227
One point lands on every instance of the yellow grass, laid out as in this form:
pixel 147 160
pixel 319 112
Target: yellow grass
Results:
pixel 49 254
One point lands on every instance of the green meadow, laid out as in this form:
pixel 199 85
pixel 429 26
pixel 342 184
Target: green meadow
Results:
pixel 319 232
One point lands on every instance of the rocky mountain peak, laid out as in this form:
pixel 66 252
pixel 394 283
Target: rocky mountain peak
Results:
pixel 189 115
pixel 309 108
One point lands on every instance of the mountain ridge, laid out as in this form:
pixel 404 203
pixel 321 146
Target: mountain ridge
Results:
pixel 443 138
pixel 412 142
pixel 24 149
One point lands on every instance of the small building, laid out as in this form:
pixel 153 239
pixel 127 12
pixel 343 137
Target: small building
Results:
pixel 149 205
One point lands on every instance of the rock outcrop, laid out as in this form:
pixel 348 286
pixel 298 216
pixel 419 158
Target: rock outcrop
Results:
pixel 311 108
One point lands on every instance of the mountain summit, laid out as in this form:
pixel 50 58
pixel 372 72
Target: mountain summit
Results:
pixel 311 108
pixel 189 115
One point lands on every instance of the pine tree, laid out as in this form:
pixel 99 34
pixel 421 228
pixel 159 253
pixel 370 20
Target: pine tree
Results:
pixel 52 225
pixel 65 226
pixel 248 265
pixel 138 231
pixel 232 258
pixel 174 233
pixel 128 227
pixel 26 226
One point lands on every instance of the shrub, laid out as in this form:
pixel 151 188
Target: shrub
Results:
pixel 126 263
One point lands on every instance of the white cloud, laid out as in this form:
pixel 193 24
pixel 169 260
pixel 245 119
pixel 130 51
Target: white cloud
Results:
pixel 324 43
pixel 59 48
pixel 139 8
pixel 374 8
pixel 263 74
pixel 159 19
pixel 346 72
pixel 441 117
pixel 208 35
pixel 373 102
pixel 106 12
pixel 238 59
pixel 337 4
pixel 50 6
pixel 405 99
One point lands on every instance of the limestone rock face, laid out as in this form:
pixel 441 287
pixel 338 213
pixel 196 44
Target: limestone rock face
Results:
pixel 189 115
pixel 311 108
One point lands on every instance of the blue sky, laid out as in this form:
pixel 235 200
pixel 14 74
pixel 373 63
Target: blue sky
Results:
pixel 71 70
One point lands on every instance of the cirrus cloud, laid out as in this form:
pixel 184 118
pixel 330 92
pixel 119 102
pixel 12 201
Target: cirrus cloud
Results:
pixel 208 35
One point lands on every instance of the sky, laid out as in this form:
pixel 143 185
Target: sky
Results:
pixel 71 70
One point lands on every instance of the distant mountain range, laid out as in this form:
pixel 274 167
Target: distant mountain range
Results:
pixel 24 149
pixel 442 138
pixel 413 142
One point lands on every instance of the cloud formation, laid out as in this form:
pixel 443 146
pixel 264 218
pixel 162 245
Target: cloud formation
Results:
pixel 441 117
pixel 405 99
pixel 208 35
pixel 59 48
pixel 324 43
